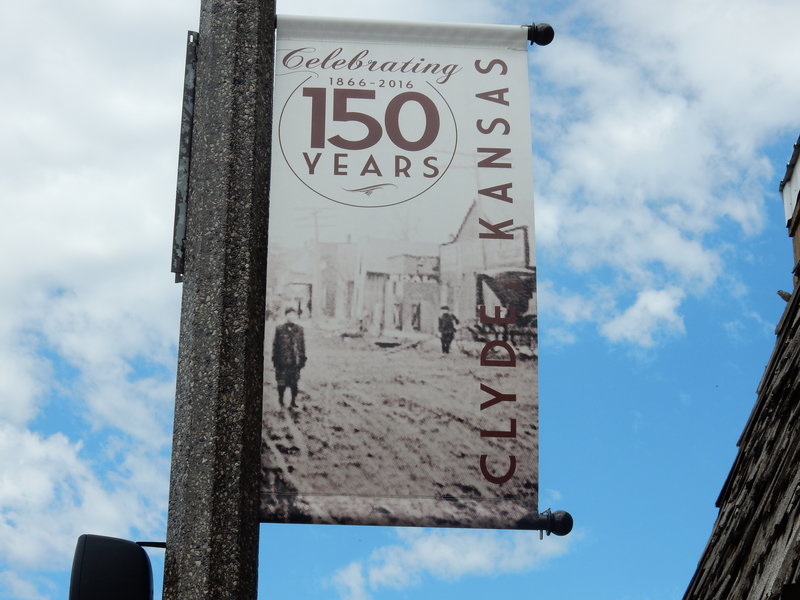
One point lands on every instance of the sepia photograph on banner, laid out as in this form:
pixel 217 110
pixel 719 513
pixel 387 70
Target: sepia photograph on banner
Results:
pixel 400 375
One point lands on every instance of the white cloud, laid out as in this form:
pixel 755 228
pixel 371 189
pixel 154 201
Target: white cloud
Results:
pixel 552 495
pixel 21 379
pixel 448 555
pixel 50 493
pixel 653 315
pixel 88 310
pixel 650 118
pixel 735 329
pixel 349 582
pixel 468 11
pixel 14 586
pixel 43 484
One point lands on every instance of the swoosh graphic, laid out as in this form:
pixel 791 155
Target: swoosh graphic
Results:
pixel 371 188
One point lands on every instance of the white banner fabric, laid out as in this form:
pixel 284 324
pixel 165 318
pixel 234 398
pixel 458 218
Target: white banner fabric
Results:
pixel 400 373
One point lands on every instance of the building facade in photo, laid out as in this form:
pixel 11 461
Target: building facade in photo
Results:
pixel 393 287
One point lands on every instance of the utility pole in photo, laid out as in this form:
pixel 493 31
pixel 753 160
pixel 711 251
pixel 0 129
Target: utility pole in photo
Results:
pixel 315 218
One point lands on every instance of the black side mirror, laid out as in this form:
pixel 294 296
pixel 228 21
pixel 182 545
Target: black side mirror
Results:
pixel 106 567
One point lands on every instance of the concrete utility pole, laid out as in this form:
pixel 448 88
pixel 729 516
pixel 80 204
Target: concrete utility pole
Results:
pixel 213 522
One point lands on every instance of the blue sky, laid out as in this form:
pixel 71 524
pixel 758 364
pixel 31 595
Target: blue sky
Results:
pixel 661 132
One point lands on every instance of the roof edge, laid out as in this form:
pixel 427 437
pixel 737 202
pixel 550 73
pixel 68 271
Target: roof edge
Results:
pixel 790 165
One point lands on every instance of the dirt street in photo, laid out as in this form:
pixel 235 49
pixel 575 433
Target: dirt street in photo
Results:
pixel 395 429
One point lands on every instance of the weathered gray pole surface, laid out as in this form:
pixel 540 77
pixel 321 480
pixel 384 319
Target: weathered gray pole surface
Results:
pixel 212 530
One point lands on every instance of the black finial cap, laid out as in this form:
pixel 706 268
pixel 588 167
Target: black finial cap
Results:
pixel 540 34
pixel 561 523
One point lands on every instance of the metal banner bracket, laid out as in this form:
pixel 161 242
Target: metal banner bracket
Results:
pixel 540 34
pixel 184 157
pixel 559 523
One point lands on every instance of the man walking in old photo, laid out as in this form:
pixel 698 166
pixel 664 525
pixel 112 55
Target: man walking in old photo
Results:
pixel 447 328
pixel 288 355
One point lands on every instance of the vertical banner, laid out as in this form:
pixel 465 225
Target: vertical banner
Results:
pixel 400 353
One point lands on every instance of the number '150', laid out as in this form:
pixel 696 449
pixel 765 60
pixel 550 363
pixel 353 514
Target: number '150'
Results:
pixel 391 121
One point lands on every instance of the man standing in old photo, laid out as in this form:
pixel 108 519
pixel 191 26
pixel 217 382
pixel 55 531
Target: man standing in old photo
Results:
pixel 447 328
pixel 288 356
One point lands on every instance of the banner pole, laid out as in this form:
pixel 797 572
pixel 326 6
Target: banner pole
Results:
pixel 213 522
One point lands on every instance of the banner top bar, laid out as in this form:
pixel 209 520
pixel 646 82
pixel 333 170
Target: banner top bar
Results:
pixel 400 32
